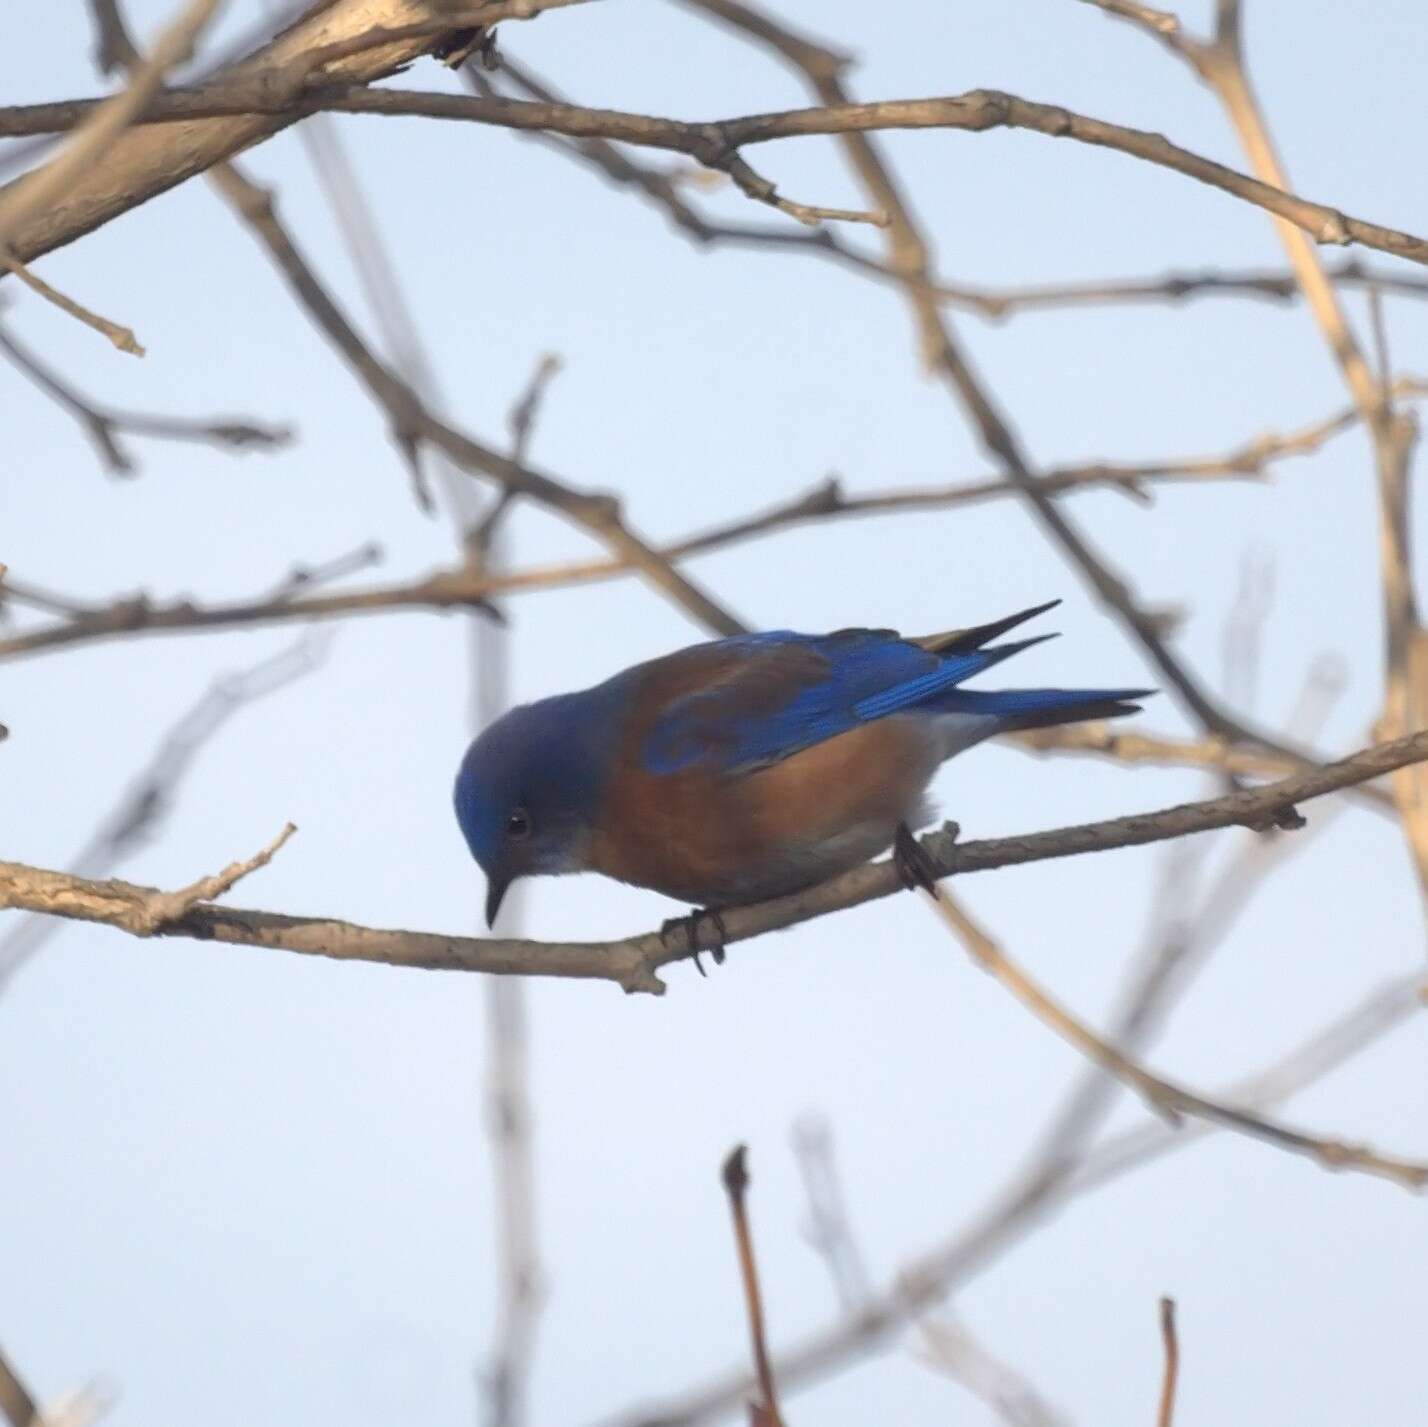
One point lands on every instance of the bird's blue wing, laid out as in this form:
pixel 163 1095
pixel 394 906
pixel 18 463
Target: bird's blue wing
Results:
pixel 755 699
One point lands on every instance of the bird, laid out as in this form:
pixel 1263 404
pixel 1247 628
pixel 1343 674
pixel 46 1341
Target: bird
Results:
pixel 747 767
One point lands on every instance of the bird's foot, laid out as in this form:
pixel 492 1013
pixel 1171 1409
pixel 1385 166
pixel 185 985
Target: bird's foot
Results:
pixel 689 925
pixel 914 867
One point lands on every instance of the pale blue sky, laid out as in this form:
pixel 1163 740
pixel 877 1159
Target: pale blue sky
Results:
pixel 252 1187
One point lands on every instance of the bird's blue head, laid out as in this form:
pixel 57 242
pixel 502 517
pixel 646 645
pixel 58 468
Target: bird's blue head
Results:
pixel 530 787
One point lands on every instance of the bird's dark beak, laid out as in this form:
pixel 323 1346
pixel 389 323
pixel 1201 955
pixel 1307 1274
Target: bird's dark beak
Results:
pixel 495 894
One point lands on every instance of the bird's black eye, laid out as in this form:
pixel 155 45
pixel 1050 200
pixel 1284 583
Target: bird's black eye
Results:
pixel 518 824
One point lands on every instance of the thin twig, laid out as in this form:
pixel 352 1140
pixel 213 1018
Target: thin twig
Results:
pixel 122 337
pixel 101 126
pixel 1161 1094
pixel 137 817
pixel 104 425
pixel 465 587
pixel 828 1230
pixel 1169 1099
pixel 1220 62
pixel 154 914
pixel 114 49
pixel 506 1374
pixel 763 1412
pixel 1166 1416
pixel 909 254
pixel 1385 1007
pixel 412 423
pixel 931 1277
pixel 1160 22
pixel 948 1345
pixel 661 187
pixel 1173 287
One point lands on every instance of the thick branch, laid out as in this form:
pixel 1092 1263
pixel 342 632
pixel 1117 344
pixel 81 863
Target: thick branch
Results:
pixel 145 162
pixel 36 194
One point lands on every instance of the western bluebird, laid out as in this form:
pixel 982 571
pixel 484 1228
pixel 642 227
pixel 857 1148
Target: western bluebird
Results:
pixel 744 768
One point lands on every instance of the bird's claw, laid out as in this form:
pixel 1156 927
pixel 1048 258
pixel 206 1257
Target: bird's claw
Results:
pixel 689 925
pixel 914 867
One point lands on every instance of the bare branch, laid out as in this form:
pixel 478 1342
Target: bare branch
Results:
pixel 948 1346
pixel 1159 22
pixel 136 818
pixel 909 255
pixel 104 425
pixel 763 1412
pixel 40 191
pixel 632 963
pixel 465 587
pixel 37 192
pixel 931 1277
pixel 144 162
pixel 1363 1025
pixel 1220 63
pixel 521 1290
pixel 1166 1415
pixel 1175 287
pixel 413 423
pixel 717 144
pixel 114 50
pixel 662 188
pixel 828 1230
pixel 1169 1099
pixel 122 337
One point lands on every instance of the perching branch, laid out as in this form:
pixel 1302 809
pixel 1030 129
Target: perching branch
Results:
pixel 632 963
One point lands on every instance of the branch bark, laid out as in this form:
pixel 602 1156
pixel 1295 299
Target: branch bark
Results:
pixel 144 162
pixel 632 963
pixel 718 144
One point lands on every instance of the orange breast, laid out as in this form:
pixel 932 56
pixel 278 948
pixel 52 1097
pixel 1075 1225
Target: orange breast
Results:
pixel 719 840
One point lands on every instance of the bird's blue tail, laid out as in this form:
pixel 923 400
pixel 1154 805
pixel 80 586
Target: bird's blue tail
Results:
pixel 1041 708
